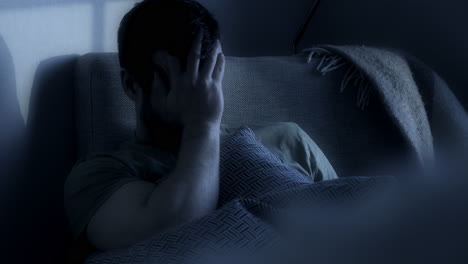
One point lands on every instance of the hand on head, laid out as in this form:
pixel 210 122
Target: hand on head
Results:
pixel 196 95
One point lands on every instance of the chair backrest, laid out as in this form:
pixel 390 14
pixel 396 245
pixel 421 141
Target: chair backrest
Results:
pixel 256 90
pixel 51 153
pixel 11 120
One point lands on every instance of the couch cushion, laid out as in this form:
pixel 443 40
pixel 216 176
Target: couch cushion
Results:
pixel 256 90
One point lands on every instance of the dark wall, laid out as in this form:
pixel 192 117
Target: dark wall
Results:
pixel 260 27
pixel 435 31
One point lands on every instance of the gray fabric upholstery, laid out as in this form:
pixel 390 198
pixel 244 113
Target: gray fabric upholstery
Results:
pixel 105 116
pixel 51 154
pixel 257 90
pixel 51 118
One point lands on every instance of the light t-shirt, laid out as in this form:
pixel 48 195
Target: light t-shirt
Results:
pixel 95 178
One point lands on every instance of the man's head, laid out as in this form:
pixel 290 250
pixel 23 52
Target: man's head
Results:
pixel 162 25
pixel 148 34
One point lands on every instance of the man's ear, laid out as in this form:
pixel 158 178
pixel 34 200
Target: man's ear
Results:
pixel 128 84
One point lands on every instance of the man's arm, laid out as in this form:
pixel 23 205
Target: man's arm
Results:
pixel 140 209
pixel 195 178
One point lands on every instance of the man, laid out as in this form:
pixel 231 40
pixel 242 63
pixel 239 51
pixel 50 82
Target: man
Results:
pixel 172 68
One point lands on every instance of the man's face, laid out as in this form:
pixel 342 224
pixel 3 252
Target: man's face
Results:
pixel 161 86
pixel 152 104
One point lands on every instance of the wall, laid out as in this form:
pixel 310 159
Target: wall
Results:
pixel 433 30
pixel 36 30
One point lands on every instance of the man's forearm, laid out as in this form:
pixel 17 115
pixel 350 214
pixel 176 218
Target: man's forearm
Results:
pixel 191 191
pixel 141 209
pixel 198 166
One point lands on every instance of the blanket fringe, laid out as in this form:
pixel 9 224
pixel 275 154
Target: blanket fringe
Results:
pixel 330 62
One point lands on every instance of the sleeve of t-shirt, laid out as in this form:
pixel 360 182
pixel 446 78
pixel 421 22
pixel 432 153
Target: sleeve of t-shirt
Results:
pixel 295 148
pixel 91 182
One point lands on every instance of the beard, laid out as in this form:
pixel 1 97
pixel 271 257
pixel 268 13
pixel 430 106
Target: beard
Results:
pixel 160 133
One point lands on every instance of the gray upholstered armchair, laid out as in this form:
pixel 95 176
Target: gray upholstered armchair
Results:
pixel 78 107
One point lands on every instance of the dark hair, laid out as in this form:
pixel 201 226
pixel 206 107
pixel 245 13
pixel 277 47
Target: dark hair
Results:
pixel 168 25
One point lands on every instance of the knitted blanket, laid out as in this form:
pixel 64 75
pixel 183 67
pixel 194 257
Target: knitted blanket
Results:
pixel 425 110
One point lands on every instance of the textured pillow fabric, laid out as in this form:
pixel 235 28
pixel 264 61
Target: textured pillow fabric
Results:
pixel 249 170
pixel 294 147
pixel 254 184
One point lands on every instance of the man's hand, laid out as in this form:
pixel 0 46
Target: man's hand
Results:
pixel 196 96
